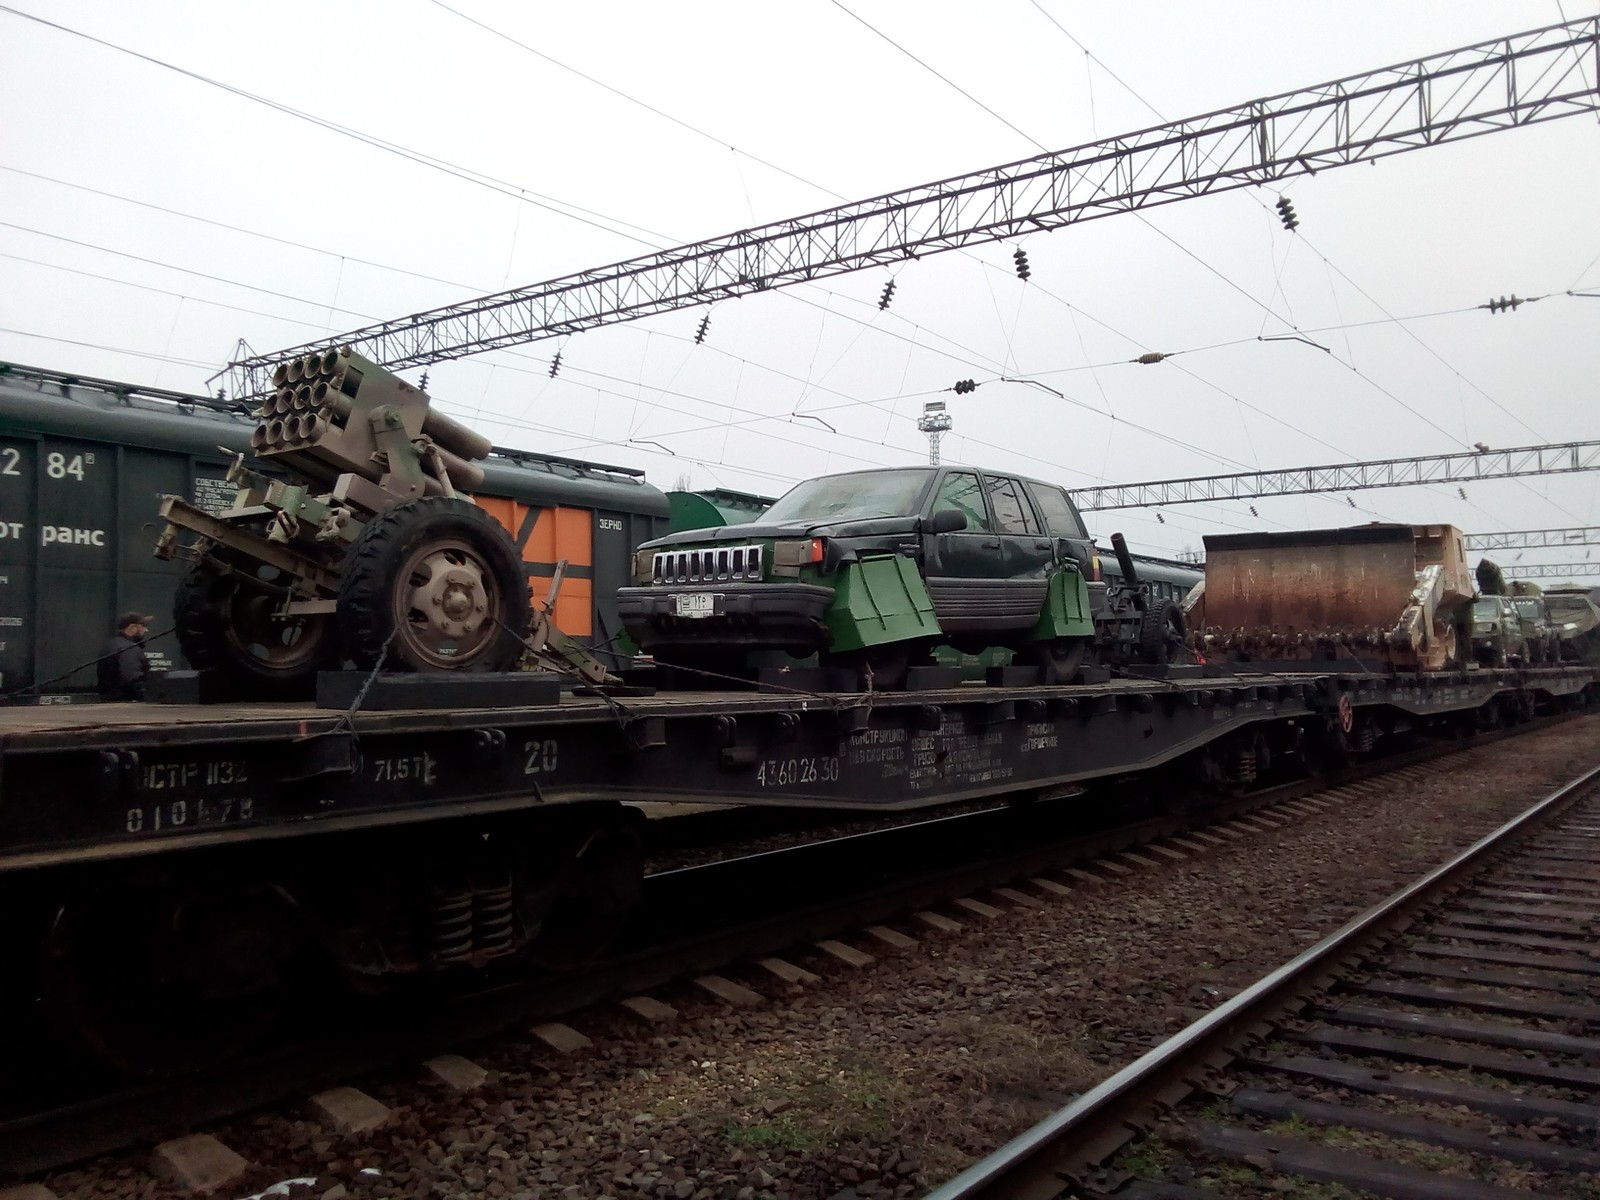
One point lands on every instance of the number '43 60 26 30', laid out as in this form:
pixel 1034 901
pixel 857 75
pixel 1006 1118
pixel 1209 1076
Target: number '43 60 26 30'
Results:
pixel 789 772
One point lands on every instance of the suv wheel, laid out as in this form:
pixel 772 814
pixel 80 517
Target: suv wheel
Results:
pixel 877 668
pixel 1058 659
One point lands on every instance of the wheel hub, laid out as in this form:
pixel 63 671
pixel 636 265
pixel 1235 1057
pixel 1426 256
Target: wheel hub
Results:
pixel 448 604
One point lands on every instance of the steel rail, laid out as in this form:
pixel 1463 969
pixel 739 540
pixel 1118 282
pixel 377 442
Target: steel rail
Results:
pixel 1067 1146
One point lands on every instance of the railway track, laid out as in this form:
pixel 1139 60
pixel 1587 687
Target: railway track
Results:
pixel 689 930
pixel 1443 1045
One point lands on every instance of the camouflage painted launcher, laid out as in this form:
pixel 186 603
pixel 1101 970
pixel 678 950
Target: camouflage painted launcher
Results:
pixel 1389 593
pixel 336 413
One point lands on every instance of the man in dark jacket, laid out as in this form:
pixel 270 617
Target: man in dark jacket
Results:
pixel 123 665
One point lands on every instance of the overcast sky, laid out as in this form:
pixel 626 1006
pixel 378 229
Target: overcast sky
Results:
pixel 150 219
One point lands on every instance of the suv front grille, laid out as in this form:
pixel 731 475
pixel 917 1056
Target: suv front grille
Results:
pixel 707 566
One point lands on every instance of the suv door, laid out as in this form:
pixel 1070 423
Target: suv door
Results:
pixel 1028 553
pixel 1063 526
pixel 963 569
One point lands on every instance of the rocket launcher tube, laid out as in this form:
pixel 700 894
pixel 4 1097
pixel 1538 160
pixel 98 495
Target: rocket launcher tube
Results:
pixel 455 437
pixel 467 476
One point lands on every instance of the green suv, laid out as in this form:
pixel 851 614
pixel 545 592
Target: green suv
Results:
pixel 872 569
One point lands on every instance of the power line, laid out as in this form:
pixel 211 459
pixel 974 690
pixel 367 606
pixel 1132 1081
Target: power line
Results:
pixel 1523 79
pixel 162 291
pixel 562 208
pixel 631 99
pixel 45 337
pixel 255 233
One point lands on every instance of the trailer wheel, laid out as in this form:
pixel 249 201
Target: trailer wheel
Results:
pixel 1161 633
pixel 437 581
pixel 225 624
pixel 1058 659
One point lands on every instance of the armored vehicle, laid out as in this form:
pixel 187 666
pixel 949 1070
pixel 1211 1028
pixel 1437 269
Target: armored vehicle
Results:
pixel 1576 620
pixel 1537 629
pixel 1496 631
pixel 872 569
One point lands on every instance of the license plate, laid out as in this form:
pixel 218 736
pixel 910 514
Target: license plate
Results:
pixel 695 604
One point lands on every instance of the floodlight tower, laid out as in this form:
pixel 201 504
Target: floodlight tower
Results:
pixel 934 422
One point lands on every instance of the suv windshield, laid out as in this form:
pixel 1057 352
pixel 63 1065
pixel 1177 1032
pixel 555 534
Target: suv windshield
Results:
pixel 1486 610
pixel 855 496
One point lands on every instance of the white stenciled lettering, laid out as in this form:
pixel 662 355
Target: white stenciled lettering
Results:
pixel 419 768
pixel 161 776
pixel 785 772
pixel 66 535
pixel 58 466
pixel 177 815
pixel 10 456
pixel 11 529
pixel 541 756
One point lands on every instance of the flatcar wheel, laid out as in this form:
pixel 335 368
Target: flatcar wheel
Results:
pixel 155 984
pixel 1059 659
pixel 225 623
pixel 577 911
pixel 434 585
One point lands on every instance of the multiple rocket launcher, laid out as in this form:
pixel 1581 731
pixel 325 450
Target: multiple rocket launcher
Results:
pixel 320 422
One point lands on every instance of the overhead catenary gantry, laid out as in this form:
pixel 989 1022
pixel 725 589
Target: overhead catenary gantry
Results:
pixel 1534 539
pixel 1467 466
pixel 1500 84
pixel 1584 572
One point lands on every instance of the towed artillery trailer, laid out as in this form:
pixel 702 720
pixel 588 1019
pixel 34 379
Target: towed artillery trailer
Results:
pixel 83 462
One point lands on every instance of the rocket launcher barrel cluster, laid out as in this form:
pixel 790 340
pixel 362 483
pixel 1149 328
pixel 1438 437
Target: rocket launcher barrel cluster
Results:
pixel 318 419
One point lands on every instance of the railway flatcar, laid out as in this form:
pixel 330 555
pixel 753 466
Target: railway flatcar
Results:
pixel 83 461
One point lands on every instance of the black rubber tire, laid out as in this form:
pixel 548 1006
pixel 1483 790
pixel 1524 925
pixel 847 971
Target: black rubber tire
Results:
pixel 1161 633
pixel 221 627
pixel 370 590
pixel 1059 659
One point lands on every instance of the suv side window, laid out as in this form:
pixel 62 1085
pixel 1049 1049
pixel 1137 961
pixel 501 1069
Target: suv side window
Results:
pixel 1011 512
pixel 1059 515
pixel 961 491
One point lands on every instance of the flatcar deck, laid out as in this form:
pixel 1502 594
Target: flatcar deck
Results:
pixel 88 782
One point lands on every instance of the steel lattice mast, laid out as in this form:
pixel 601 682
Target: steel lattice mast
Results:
pixel 1463 467
pixel 1501 84
pixel 1534 539
pixel 1576 572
